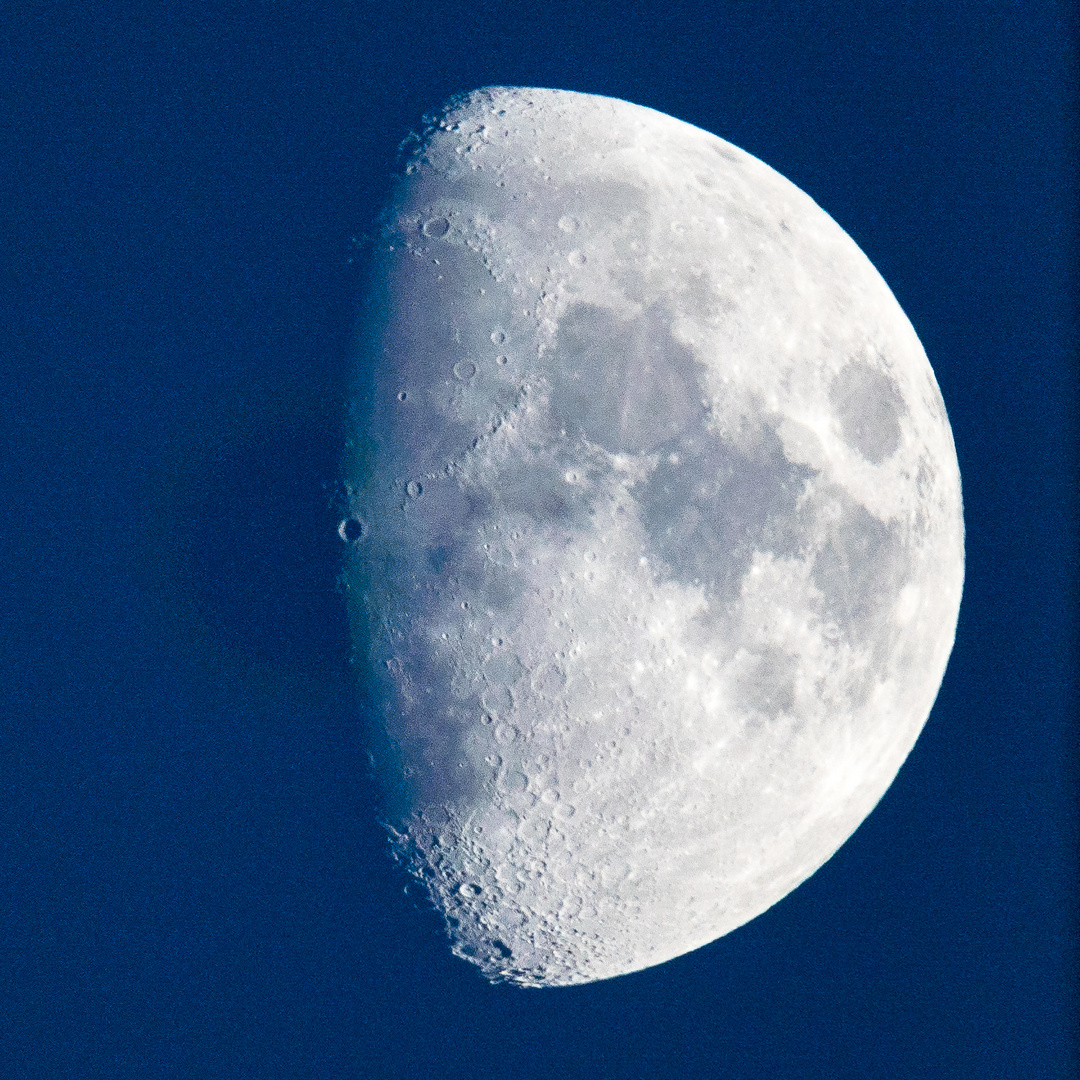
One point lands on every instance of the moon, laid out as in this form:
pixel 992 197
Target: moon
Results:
pixel 655 546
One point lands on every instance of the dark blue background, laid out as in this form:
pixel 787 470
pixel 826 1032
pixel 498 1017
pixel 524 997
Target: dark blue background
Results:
pixel 192 883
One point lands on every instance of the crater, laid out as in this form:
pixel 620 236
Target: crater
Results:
pixel 436 227
pixel 350 530
pixel 869 405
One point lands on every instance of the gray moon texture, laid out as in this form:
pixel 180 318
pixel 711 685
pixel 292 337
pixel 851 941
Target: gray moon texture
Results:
pixel 656 536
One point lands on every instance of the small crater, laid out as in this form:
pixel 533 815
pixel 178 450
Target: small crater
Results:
pixel 502 360
pixel 501 949
pixel 464 370
pixel 496 699
pixel 577 258
pixel 503 669
pixel 498 337
pixel 403 396
pixel 516 782
pixel 414 489
pixel 549 682
pixel 350 530
pixel 436 227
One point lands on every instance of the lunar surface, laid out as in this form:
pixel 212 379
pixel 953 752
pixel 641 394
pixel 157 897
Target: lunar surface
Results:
pixel 655 540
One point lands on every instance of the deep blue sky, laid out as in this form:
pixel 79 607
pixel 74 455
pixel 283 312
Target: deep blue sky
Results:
pixel 192 883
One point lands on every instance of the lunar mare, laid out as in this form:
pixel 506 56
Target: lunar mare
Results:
pixel 658 540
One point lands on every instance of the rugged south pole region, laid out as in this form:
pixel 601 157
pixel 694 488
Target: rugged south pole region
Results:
pixel 655 539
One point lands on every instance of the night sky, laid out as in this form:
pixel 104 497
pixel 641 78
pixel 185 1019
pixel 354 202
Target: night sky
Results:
pixel 193 882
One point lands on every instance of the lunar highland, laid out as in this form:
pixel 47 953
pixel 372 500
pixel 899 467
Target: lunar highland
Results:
pixel 655 536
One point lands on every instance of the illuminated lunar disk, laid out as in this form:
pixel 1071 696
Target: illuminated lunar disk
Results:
pixel 656 535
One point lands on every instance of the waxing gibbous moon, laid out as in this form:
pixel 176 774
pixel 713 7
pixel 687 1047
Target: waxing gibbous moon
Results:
pixel 656 539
